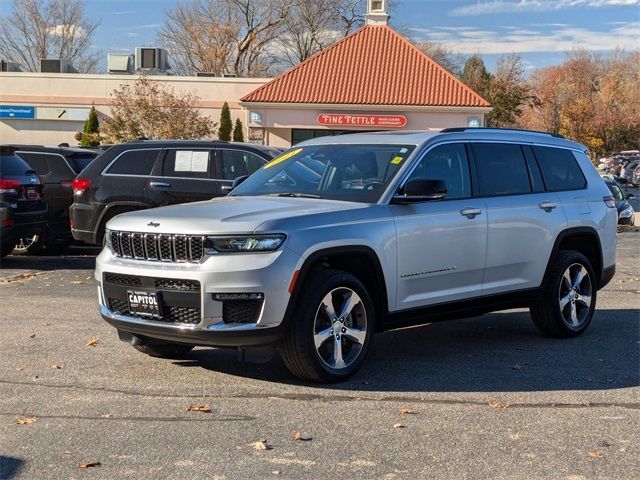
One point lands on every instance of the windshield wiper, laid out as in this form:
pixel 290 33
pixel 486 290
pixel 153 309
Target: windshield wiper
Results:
pixel 295 195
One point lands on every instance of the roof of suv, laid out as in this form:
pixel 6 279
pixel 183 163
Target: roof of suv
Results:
pixel 53 149
pixel 189 143
pixel 422 137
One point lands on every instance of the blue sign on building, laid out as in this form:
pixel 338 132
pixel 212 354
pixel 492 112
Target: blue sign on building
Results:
pixel 17 111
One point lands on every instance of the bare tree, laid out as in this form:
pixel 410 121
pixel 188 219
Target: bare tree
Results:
pixel 151 108
pixel 36 29
pixel 442 55
pixel 223 36
pixel 351 14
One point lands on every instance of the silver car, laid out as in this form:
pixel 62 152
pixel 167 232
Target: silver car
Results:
pixel 342 237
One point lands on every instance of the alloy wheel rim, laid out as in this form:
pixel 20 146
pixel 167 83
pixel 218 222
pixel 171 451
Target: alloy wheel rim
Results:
pixel 575 295
pixel 340 328
pixel 25 242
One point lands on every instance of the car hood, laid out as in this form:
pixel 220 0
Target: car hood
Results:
pixel 225 215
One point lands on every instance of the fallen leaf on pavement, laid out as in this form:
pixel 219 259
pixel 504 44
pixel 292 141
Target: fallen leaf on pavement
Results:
pixel 399 425
pixel 106 415
pixel 595 454
pixel 26 421
pixel 32 336
pixel 46 324
pixel 55 366
pixel 276 472
pixel 76 282
pixel 88 464
pixel 260 445
pixel 407 411
pixel 198 408
pixel 92 342
pixel 298 436
pixel 498 405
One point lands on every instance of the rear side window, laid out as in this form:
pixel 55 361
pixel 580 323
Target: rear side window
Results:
pixel 502 169
pixel 187 164
pixel 560 170
pixel 37 161
pixel 134 162
pixel 236 163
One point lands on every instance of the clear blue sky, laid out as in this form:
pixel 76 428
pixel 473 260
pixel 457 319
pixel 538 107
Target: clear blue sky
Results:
pixel 539 30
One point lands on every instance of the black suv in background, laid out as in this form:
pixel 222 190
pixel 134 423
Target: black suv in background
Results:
pixel 153 173
pixel 56 167
pixel 23 212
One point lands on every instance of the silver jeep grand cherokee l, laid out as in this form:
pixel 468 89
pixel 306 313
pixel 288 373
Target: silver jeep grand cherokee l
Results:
pixel 344 236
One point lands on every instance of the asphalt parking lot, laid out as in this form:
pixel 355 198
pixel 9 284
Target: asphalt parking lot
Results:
pixel 482 398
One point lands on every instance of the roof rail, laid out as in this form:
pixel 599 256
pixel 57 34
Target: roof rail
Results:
pixel 471 129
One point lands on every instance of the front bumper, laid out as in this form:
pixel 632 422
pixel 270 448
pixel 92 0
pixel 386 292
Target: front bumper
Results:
pixel 268 274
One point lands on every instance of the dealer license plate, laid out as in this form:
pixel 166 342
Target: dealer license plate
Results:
pixel 143 303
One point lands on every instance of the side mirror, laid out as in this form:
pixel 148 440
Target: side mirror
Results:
pixel 420 190
pixel 631 196
pixel 237 181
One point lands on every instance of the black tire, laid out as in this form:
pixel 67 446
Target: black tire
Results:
pixel 29 245
pixel 547 313
pixel 164 350
pixel 298 349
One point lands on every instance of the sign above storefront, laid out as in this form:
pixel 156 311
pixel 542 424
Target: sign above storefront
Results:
pixel 358 120
pixel 13 111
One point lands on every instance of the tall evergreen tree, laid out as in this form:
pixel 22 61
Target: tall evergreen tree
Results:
pixel 226 125
pixel 90 137
pixel 238 131
pixel 475 75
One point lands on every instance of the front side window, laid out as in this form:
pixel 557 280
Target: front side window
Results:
pixel 135 162
pixel 502 169
pixel 355 173
pixel 187 164
pixel 560 170
pixel 236 163
pixel 450 164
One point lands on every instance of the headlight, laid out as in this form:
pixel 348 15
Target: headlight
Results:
pixel 626 213
pixel 244 243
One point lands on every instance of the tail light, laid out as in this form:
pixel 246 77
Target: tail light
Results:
pixel 9 185
pixel 609 201
pixel 79 185
pixel 7 223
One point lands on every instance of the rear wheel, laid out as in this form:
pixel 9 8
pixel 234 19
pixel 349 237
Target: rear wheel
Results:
pixel 164 350
pixel 332 328
pixel 29 245
pixel 569 296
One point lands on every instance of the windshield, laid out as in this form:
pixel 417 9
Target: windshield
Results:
pixel 355 173
pixel 616 190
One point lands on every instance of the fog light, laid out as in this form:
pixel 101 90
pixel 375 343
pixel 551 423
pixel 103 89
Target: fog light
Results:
pixel 230 297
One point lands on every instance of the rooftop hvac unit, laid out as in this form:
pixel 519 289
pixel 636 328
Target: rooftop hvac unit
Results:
pixel 50 65
pixel 9 66
pixel 151 59
pixel 120 63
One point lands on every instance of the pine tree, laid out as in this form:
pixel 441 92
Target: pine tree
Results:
pixel 226 125
pixel 90 137
pixel 238 132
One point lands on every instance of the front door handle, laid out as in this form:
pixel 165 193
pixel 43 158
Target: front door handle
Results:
pixel 547 206
pixel 159 185
pixel 470 212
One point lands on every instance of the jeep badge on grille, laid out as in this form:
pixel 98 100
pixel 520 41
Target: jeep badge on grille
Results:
pixel 153 224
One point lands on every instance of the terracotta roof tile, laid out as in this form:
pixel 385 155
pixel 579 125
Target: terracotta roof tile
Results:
pixel 373 66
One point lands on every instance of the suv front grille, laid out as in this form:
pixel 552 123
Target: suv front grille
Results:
pixel 158 247
pixel 171 314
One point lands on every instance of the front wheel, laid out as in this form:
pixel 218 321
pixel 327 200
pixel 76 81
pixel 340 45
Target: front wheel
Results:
pixel 569 296
pixel 331 329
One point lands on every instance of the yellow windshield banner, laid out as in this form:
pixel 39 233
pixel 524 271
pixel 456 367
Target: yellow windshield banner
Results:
pixel 283 157
pixel 397 160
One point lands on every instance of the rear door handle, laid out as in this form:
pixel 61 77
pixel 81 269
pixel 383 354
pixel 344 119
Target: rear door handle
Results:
pixel 159 185
pixel 470 212
pixel 547 206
